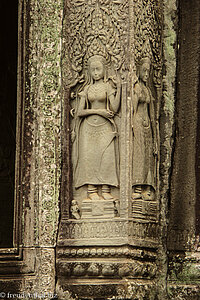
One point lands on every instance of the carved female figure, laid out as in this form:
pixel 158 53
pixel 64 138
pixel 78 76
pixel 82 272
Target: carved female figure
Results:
pixel 95 162
pixel 144 135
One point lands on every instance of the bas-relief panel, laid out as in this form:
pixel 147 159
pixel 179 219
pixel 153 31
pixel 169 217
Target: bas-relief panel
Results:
pixel 97 41
pixel 110 47
pixel 102 53
pixel 96 60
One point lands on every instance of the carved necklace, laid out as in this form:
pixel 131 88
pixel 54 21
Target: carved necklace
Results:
pixel 97 89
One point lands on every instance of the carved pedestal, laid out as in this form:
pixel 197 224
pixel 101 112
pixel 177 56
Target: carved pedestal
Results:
pixel 143 209
pixel 95 256
pixel 100 272
pixel 99 209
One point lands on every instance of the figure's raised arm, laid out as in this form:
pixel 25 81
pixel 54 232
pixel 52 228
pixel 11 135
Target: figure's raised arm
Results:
pixel 114 98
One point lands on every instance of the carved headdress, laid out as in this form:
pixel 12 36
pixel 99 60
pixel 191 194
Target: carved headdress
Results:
pixel 144 60
pixel 96 49
pixel 95 28
pixel 146 50
pixel 145 55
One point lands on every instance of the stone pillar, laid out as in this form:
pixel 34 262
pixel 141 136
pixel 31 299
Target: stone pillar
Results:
pixel 28 267
pixel 107 163
pixel 183 231
pixel 110 231
pixel 42 118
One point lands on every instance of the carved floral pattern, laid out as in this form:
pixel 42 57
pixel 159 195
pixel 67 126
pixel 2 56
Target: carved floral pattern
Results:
pixel 136 269
pixel 147 34
pixel 94 27
pixel 45 75
pixel 89 230
pixel 42 116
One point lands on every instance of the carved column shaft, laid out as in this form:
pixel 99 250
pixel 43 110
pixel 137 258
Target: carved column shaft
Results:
pixel 109 225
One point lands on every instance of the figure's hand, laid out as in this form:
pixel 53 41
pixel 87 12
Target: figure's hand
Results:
pixel 106 113
pixel 117 81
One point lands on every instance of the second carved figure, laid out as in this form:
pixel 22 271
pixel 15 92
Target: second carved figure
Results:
pixel 144 136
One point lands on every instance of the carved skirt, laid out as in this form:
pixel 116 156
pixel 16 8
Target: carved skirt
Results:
pixel 143 158
pixel 97 161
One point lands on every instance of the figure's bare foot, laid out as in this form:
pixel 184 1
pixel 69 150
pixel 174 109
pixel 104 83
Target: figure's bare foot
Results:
pixel 107 196
pixel 136 196
pixel 94 196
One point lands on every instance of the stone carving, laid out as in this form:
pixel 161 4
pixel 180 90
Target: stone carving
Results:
pixel 147 35
pixel 142 209
pixel 49 102
pixel 95 34
pixel 80 230
pixel 148 231
pixel 75 210
pixel 93 24
pixel 63 295
pixel 89 247
pixel 96 162
pixel 95 134
pixel 99 209
pixel 93 270
pixel 79 270
pixel 108 269
pixel 103 252
pixel 89 230
pixel 146 46
pixel 144 135
pixel 132 269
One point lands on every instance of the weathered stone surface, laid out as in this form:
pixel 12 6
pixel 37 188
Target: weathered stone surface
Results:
pixel 183 268
pixel 38 148
pixel 183 189
pixel 92 231
pixel 112 238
